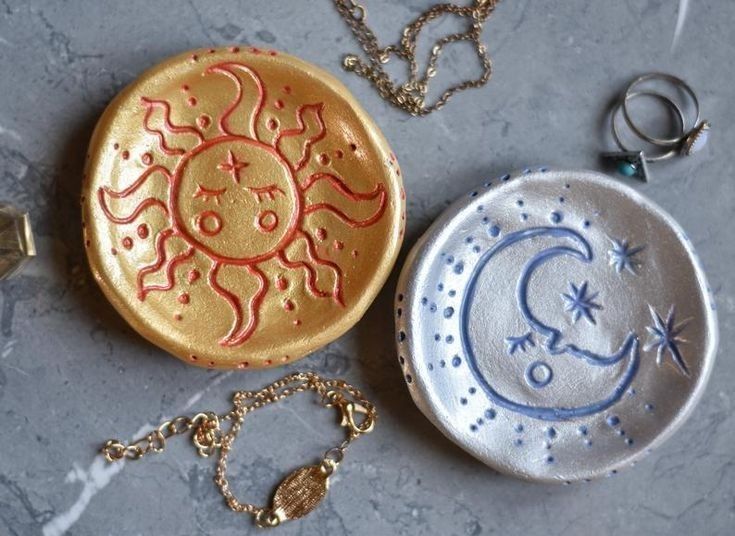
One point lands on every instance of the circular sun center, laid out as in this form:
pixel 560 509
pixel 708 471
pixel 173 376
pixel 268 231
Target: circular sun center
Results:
pixel 235 200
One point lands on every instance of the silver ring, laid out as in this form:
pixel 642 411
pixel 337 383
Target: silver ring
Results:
pixel 676 81
pixel 621 105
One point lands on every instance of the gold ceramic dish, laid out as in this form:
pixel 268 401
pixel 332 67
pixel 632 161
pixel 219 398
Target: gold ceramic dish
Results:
pixel 240 209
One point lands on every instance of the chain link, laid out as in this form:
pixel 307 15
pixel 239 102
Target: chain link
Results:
pixel 208 437
pixel 411 96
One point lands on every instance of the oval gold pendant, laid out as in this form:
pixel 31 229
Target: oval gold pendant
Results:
pixel 240 208
pixel 300 492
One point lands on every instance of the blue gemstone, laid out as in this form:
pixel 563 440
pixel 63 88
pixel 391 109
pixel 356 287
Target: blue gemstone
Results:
pixel 627 169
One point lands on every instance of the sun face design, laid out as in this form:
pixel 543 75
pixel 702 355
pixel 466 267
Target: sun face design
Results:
pixel 239 190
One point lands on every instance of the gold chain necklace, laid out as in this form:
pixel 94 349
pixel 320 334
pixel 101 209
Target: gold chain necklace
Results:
pixel 301 491
pixel 411 96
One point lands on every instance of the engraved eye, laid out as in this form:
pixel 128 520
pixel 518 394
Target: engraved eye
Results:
pixel 266 192
pixel 208 194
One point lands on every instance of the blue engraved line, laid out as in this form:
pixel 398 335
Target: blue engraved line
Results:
pixel 630 345
pixel 554 335
pixel 531 379
pixel 515 343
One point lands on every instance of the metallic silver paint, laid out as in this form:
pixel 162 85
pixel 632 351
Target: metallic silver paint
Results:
pixel 661 396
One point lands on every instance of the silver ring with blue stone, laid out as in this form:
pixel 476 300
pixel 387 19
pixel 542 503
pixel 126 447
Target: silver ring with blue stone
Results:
pixel 633 163
pixel 556 325
pixel 686 142
pixel 694 139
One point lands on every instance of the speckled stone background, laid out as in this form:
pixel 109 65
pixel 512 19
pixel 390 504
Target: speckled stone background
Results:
pixel 72 373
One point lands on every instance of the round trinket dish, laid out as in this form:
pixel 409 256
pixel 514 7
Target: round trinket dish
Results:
pixel 240 208
pixel 555 324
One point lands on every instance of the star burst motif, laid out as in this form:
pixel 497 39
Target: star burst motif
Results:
pixel 233 166
pixel 666 338
pixel 579 303
pixel 622 256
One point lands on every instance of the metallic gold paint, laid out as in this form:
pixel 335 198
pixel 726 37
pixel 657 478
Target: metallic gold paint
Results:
pixel 189 210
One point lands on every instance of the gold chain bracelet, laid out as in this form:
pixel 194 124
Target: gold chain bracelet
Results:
pixel 301 491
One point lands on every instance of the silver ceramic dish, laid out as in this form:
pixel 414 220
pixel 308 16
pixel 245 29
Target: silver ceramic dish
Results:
pixel 556 325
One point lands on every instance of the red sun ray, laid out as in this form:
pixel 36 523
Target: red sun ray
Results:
pixel 311 275
pixel 161 258
pixel 170 273
pixel 340 186
pixel 310 130
pixel 228 69
pixel 314 257
pixel 130 190
pixel 173 132
pixel 160 248
pixel 238 334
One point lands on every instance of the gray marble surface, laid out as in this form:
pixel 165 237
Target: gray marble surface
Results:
pixel 72 373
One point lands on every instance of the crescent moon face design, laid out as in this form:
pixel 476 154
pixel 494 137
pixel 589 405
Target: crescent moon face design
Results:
pixel 539 374
pixel 555 324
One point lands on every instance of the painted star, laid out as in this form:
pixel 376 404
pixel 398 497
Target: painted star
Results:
pixel 666 338
pixel 233 165
pixel 622 256
pixel 515 343
pixel 579 303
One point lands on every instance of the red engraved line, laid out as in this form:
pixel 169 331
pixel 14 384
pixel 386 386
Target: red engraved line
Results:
pixel 176 211
pixel 150 104
pixel 138 182
pixel 339 185
pixel 105 190
pixel 225 68
pixel 314 257
pixel 343 189
pixel 237 335
pixel 306 151
pixel 310 274
pixel 160 248
pixel 208 194
pixel 267 221
pixel 170 274
pixel 132 216
pixel 268 192
pixel 204 228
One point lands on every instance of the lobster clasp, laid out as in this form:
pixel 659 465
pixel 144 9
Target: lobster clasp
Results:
pixel 349 409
